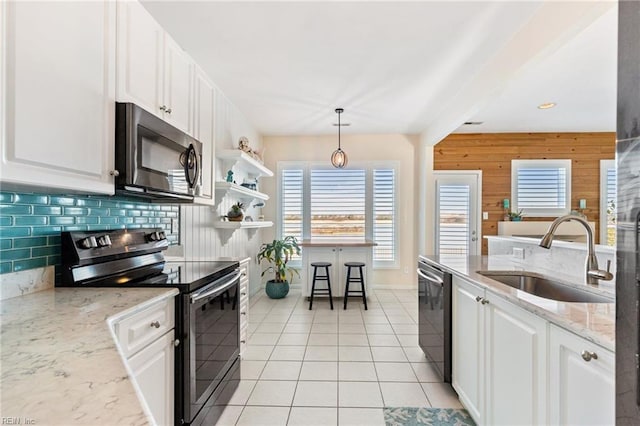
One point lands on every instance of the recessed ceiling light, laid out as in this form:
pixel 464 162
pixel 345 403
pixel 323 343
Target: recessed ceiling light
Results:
pixel 547 105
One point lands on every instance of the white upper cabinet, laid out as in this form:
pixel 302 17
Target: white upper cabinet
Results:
pixel 57 95
pixel 204 131
pixel 153 71
pixel 178 78
pixel 140 58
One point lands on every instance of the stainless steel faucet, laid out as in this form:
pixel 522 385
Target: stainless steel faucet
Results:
pixel 594 274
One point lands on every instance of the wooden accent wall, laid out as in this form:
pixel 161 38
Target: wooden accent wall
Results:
pixel 492 153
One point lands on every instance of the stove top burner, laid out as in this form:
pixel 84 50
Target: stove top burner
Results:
pixel 130 258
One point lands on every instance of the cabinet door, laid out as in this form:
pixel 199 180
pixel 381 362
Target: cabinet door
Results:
pixel 350 254
pixel 140 58
pixel 178 78
pixel 581 392
pixel 515 365
pixel 153 370
pixel 468 346
pixel 58 108
pixel 243 303
pixel 203 131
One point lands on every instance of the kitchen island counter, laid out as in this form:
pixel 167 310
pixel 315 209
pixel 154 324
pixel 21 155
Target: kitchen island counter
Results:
pixel 60 363
pixel 593 321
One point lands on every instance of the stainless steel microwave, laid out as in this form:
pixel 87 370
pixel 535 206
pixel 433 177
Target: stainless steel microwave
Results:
pixel 154 160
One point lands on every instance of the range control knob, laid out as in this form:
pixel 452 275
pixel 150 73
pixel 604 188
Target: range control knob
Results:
pixel 88 243
pixel 104 241
pixel 156 236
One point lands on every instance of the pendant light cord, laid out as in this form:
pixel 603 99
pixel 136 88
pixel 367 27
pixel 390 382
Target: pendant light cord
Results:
pixel 339 131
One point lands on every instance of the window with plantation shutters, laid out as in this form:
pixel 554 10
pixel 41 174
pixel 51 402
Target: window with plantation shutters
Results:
pixel 325 204
pixel 454 205
pixel 384 216
pixel 337 204
pixel 608 193
pixel 541 187
pixel 291 203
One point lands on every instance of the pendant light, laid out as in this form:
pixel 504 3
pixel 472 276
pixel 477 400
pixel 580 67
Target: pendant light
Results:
pixel 339 157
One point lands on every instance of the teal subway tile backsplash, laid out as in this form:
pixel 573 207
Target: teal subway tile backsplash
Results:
pixel 29 242
pixel 30 224
pixel 35 262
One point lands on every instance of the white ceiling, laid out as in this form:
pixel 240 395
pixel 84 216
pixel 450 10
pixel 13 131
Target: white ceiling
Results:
pixel 405 67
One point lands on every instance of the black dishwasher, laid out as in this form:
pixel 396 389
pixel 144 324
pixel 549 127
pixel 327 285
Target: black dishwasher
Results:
pixel 434 316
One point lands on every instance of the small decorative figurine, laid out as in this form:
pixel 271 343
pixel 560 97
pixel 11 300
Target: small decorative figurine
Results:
pixel 230 176
pixel 243 145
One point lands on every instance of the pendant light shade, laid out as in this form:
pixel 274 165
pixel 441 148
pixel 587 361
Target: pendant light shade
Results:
pixel 339 157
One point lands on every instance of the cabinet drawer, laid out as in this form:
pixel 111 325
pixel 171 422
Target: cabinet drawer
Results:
pixel 138 330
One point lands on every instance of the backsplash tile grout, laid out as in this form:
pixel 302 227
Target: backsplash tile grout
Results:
pixel 30 224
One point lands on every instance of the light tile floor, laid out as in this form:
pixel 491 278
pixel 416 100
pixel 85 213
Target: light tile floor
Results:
pixel 339 367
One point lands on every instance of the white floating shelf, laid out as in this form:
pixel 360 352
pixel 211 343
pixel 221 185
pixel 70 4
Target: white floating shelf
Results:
pixel 244 161
pixel 244 225
pixel 238 191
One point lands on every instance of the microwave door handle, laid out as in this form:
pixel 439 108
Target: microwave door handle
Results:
pixel 187 161
pixel 430 277
pixel 198 162
pixel 217 290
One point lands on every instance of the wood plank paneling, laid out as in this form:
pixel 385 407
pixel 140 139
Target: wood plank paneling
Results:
pixel 492 153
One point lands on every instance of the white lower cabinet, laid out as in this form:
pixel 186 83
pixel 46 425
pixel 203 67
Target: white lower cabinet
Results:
pixel 146 339
pixel 515 364
pixel 512 367
pixel 581 381
pixel 468 347
pixel 499 358
pixel 243 303
pixel 153 370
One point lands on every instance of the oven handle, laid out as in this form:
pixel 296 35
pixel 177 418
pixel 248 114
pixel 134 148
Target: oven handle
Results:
pixel 217 290
pixel 430 277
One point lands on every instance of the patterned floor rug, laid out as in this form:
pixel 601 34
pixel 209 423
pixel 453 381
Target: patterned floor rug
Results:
pixel 412 416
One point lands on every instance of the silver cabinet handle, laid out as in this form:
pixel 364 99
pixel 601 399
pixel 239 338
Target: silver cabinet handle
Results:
pixel 588 356
pixel 478 298
pixel 243 313
pixel 163 108
pixel 244 274
pixel 114 173
pixel 484 301
pixel 243 294
pixel 168 111
pixel 155 324
pixel 243 341
pixel 176 343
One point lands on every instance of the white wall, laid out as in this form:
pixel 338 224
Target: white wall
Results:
pixel 393 147
pixel 199 239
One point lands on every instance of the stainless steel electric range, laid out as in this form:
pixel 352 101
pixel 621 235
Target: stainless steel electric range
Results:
pixel 207 332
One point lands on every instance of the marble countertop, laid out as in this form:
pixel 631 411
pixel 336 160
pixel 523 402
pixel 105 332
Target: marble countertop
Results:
pixel 593 321
pixel 59 362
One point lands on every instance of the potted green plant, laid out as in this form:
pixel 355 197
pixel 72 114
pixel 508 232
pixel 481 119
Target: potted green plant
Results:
pixel 279 253
pixel 236 213
pixel 516 216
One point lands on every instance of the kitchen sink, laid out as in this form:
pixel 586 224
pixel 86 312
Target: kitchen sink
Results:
pixel 542 286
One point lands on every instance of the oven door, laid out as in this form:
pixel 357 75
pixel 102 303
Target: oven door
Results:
pixel 212 344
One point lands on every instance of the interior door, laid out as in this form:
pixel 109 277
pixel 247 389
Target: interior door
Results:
pixel 457 218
